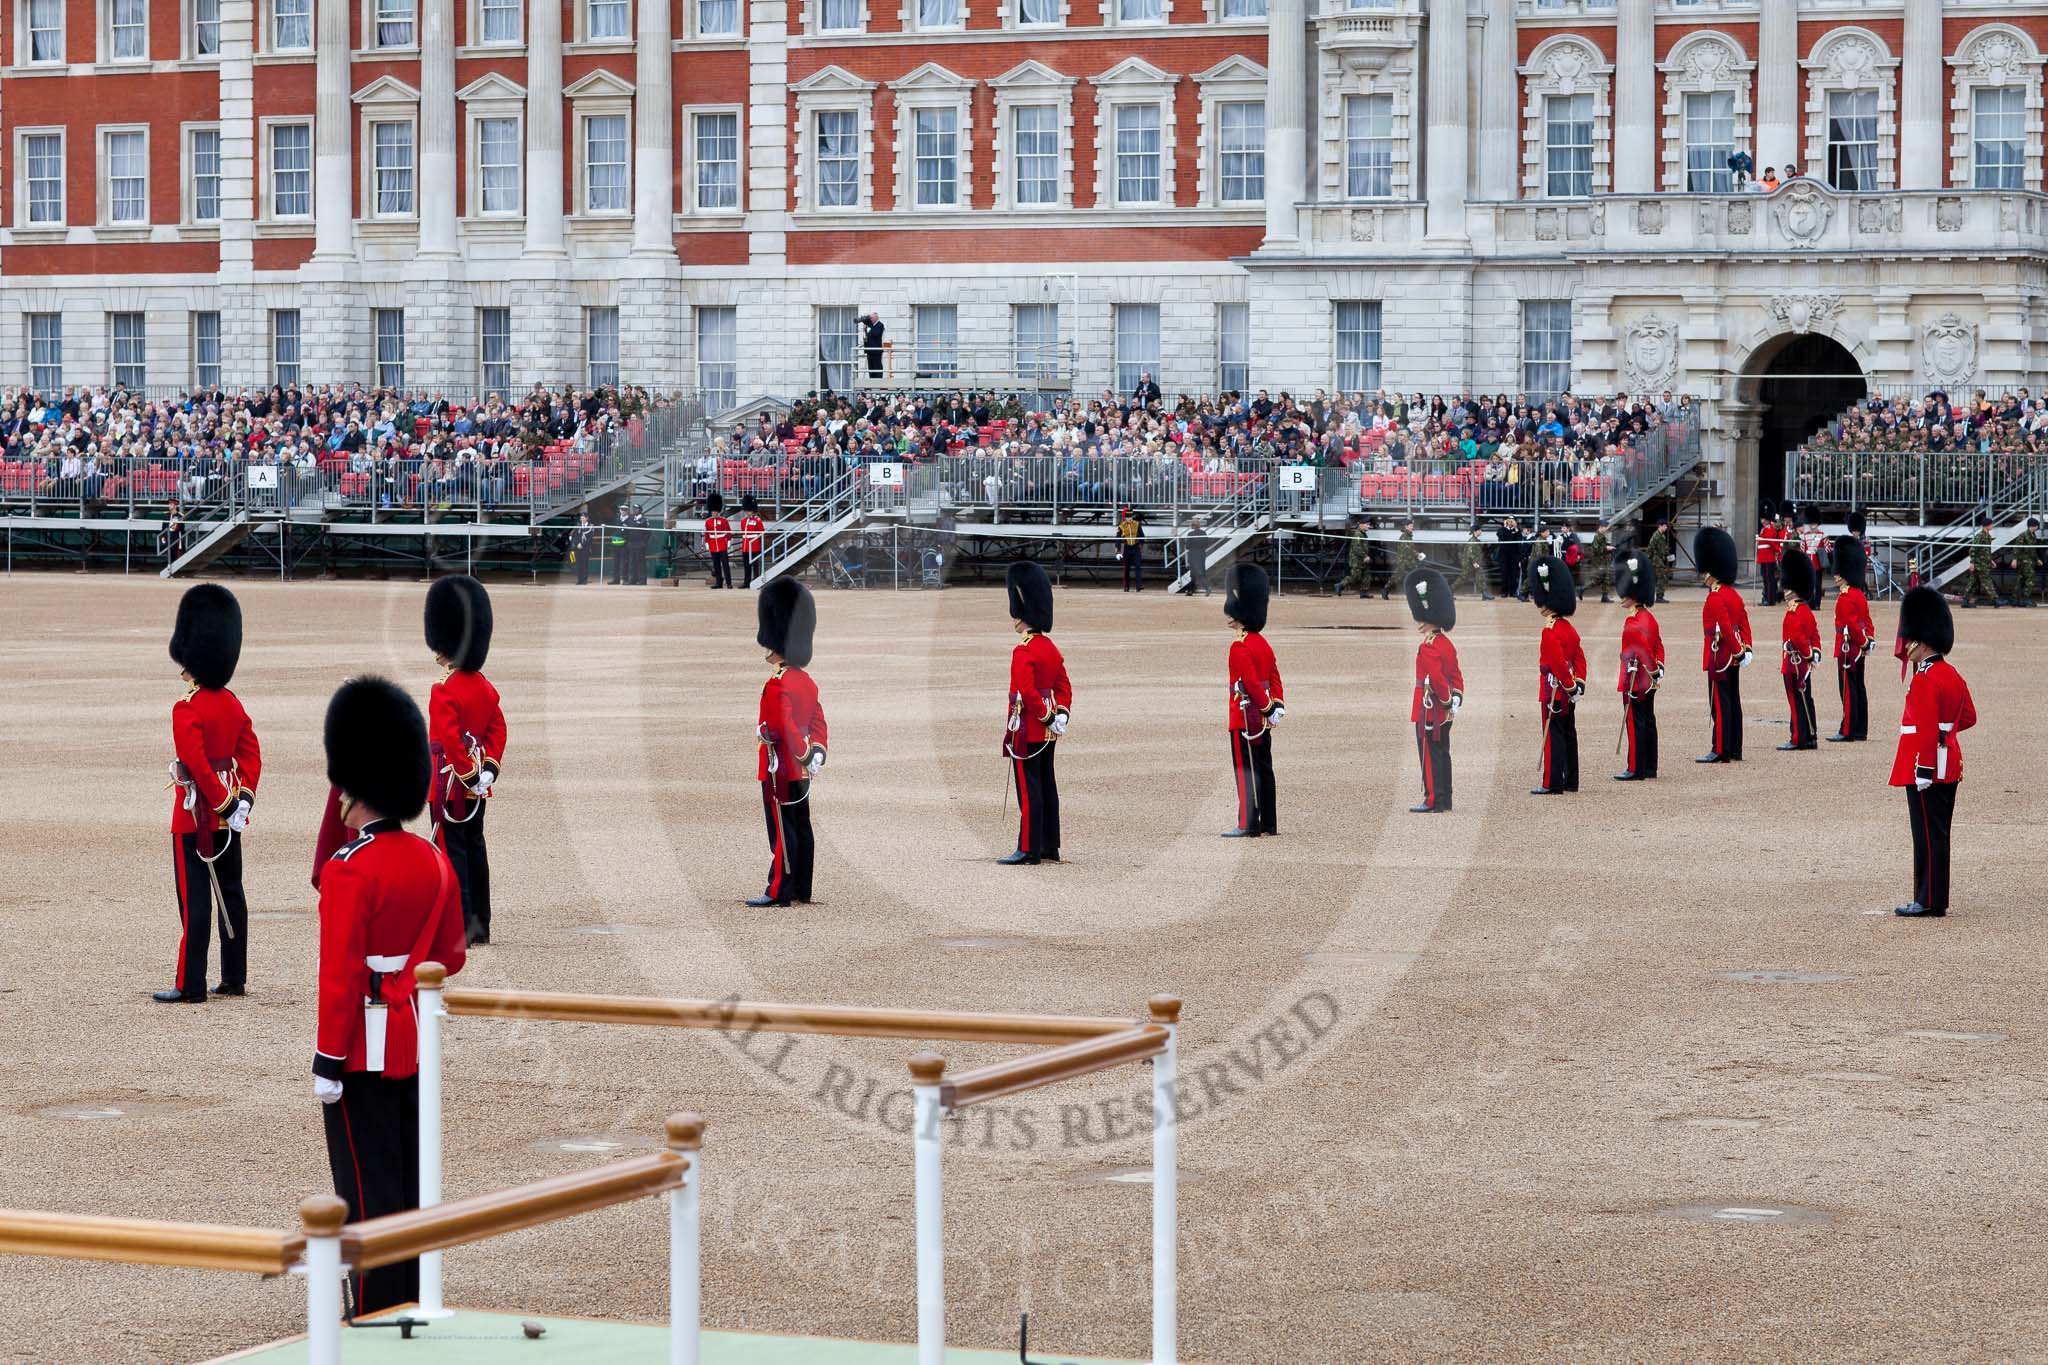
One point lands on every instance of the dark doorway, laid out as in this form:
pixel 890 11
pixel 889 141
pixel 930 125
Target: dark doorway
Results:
pixel 1809 381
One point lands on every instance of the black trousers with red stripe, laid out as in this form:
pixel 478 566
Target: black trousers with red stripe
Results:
pixel 1855 700
pixel 1038 801
pixel 196 908
pixel 373 1148
pixel 1434 748
pixel 1805 724
pixel 1641 722
pixel 1251 764
pixel 791 845
pixel 1561 751
pixel 464 845
pixel 1724 705
pixel 1932 813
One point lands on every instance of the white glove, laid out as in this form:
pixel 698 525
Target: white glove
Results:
pixel 484 778
pixel 1579 690
pixel 1922 783
pixel 238 818
pixel 1059 725
pixel 1279 713
pixel 326 1091
pixel 1657 677
pixel 1016 723
pixel 816 761
pixel 1457 700
pixel 1815 655
pixel 1748 655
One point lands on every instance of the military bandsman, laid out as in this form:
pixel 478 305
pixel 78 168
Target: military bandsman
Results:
pixel 1642 663
pixel 466 728
pixel 388 902
pixel 215 773
pixel 1560 675
pixel 1439 685
pixel 1799 638
pixel 1257 702
pixel 1037 708
pixel 1854 633
pixel 1724 621
pixel 1929 761
pixel 791 735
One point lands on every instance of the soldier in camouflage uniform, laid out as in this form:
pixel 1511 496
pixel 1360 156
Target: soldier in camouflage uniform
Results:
pixel 1359 565
pixel 1600 564
pixel 1472 567
pixel 1407 558
pixel 1978 582
pixel 1659 550
pixel 2026 560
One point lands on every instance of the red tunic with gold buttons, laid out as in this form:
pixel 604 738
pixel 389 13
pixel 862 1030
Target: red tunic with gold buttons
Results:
pixel 1801 637
pixel 1560 666
pixel 1854 630
pixel 791 728
pixel 1938 708
pixel 213 739
pixel 1039 691
pixel 1724 622
pixel 1437 680
pixel 751 528
pixel 466 729
pixel 1255 687
pixel 1642 644
pixel 717 534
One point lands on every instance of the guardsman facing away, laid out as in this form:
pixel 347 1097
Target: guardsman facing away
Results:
pixel 1439 685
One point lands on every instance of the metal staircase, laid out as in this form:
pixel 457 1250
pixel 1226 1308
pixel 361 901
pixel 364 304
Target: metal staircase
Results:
pixel 224 536
pixel 1225 532
pixel 2009 505
pixel 812 526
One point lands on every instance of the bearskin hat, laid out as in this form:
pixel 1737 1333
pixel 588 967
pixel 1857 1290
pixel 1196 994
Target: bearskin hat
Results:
pixel 1635 578
pixel 1767 511
pixel 1713 550
pixel 714 502
pixel 207 639
pixel 1429 598
pixel 1924 619
pixel 1030 596
pixel 1858 523
pixel 1851 565
pixel 1809 515
pixel 1246 596
pixel 788 621
pixel 747 504
pixel 1551 587
pixel 458 620
pixel 377 747
pixel 1800 577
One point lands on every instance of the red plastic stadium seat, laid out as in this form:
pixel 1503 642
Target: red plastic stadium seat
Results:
pixel 522 481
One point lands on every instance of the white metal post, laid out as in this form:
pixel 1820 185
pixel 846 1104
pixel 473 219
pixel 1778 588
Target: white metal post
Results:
pixel 321 1218
pixel 685 1252
pixel 1166 1187
pixel 926 1070
pixel 428 979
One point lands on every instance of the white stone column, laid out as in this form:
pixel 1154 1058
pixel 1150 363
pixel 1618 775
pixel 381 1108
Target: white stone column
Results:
pixel 243 362
pixel 1500 131
pixel 1286 122
pixel 1635 97
pixel 654 117
pixel 1444 148
pixel 544 128
pixel 437 128
pixel 1778 96
pixel 333 114
pixel 1923 81
pixel 768 116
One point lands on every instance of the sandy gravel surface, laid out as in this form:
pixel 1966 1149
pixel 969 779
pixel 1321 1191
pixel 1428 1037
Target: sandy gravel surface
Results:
pixel 1453 1073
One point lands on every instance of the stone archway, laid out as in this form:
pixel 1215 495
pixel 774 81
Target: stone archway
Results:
pixel 1790 386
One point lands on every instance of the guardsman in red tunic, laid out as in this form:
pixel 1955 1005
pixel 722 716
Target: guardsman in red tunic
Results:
pixel 1257 701
pixel 1036 716
pixel 1854 634
pixel 466 727
pixel 388 902
pixel 1929 762
pixel 1770 542
pixel 1801 646
pixel 752 537
pixel 1642 663
pixel 1560 675
pixel 791 736
pixel 1724 621
pixel 215 773
pixel 718 540
pixel 1439 685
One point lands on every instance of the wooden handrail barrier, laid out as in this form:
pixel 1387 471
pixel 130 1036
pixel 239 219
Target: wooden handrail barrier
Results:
pixel 1052 1066
pixel 743 1016
pixel 402 1236
pixel 142 1241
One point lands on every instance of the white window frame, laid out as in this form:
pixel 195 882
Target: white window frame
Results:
pixel 1828 169
pixel 189 23
pixel 25 42
pixel 1133 81
pixel 1252 190
pixel 585 33
pixel 591 317
pixel 935 340
pixel 1250 12
pixel 373 205
pixel 108 35
pixel 1113 14
pixel 1562 112
pixel 842 120
pixel 835 90
pixel 189 198
pixel 1707 62
pixel 2008 172
pixel 275 340
pixel 601 94
pixel 932 87
pixel 484 364
pixel 55 380
pixel 814 19
pixel 913 16
pixel 1025 85
pixel 1563 65
pixel 476 24
pixel 718 377
pixel 1128 192
pixel 106 135
pixel 1233 334
pixel 855 362
pixel 693 204
pixel 372 35
pixel 22 206
pixel 1038 358
pixel 197 329
pixel 1053 15
pixel 694 17
pixel 270 128
pixel 378 364
pixel 1357 103
pixel 1995 55
pixel 271 43
pixel 1535 392
pixel 1369 366
pixel 139 339
pixel 1851 58
pixel 1234 80
pixel 1138 365
pixel 488 99
pixel 1712 176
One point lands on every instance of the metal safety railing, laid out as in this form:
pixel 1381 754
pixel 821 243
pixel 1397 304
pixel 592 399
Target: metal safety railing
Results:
pixel 1921 482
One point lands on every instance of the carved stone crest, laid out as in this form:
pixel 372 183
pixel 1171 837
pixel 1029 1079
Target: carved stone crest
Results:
pixel 1597 219
pixel 1948 214
pixel 1804 310
pixel 1741 217
pixel 1803 213
pixel 1997 59
pixel 1649 352
pixel 1649 217
pixel 1948 349
pixel 1879 215
pixel 2008 214
pixel 1546 225
pixel 1362 225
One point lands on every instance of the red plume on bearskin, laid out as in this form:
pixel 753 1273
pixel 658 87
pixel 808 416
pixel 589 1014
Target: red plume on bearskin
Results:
pixel 1924 619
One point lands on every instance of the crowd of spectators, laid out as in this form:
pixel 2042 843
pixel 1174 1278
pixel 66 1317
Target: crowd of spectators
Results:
pixel 91 443
pixel 1929 449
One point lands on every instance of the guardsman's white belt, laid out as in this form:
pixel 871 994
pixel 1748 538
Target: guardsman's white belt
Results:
pixel 376 1012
